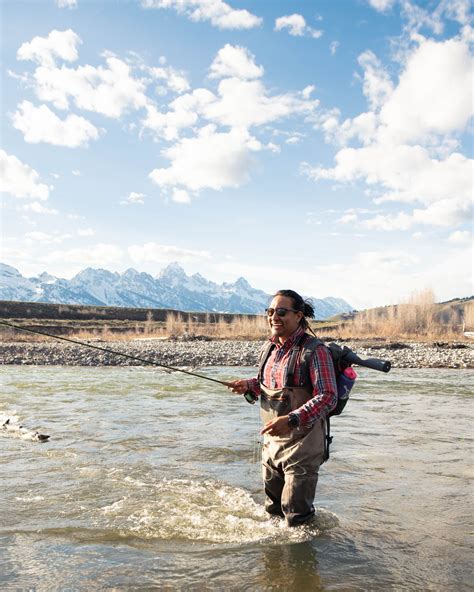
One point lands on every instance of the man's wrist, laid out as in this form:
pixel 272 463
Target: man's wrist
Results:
pixel 293 420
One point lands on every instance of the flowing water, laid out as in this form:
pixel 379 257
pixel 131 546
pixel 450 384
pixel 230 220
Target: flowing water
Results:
pixel 151 481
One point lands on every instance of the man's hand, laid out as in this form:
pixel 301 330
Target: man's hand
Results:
pixel 238 386
pixel 277 427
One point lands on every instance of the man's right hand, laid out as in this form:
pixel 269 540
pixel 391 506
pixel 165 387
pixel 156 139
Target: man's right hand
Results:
pixel 238 386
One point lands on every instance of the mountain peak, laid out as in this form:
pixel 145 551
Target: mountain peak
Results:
pixel 174 269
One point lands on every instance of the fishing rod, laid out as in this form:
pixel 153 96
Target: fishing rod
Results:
pixel 112 351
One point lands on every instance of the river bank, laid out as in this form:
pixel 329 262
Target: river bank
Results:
pixel 197 353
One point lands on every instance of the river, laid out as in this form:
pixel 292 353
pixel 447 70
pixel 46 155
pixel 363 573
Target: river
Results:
pixel 151 481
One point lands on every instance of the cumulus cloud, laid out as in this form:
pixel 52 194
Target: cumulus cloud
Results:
pixel 434 94
pixel 241 99
pixel 100 254
pixel 110 90
pixel 45 50
pixel 40 124
pixel 408 152
pixel 381 5
pixel 66 3
pixel 38 208
pixel 85 232
pixel 235 61
pixel 134 198
pixel 154 252
pixel 461 237
pixel 211 160
pixel 333 47
pixel 19 179
pixel 296 26
pixel 173 79
pixel 218 13
pixel 377 85
pixel 46 238
pixel 181 196
pixel 247 103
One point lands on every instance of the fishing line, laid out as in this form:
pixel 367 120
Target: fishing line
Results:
pixel 112 351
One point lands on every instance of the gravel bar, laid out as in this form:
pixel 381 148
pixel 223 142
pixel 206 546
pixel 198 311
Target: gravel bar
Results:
pixel 199 353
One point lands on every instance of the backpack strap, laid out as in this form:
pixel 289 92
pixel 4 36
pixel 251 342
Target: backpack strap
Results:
pixel 308 347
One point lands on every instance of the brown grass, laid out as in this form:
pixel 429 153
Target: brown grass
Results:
pixel 417 319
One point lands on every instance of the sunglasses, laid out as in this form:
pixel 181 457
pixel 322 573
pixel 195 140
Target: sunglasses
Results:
pixel 281 312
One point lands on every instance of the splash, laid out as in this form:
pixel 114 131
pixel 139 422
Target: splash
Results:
pixel 205 511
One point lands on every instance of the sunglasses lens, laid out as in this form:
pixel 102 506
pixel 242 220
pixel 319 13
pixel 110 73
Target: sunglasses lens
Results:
pixel 281 312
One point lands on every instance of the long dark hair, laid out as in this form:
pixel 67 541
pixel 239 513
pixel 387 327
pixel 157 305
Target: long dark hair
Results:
pixel 299 304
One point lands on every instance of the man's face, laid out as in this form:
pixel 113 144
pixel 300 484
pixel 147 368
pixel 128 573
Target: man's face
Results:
pixel 283 327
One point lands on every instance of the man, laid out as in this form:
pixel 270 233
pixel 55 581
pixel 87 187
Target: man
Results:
pixel 297 389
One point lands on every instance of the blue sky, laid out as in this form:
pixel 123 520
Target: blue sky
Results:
pixel 324 146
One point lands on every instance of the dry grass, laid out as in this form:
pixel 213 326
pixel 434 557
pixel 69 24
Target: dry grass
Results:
pixel 215 326
pixel 417 319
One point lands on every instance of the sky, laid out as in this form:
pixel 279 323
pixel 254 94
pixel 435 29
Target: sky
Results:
pixel 320 145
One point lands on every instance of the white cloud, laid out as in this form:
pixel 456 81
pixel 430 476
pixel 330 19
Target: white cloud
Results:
pixel 85 232
pixel 235 61
pixel 377 85
pixel 100 254
pixel 76 173
pixel 40 124
pixel 219 13
pixel 461 237
pixel 296 25
pixel 408 137
pixel 211 160
pixel 19 179
pixel 153 252
pixel 66 3
pixel 333 47
pixel 381 5
pixel 46 238
pixel 181 196
pixel 238 103
pixel 348 218
pixel 434 94
pixel 111 90
pixel 174 80
pixel 246 103
pixel 38 208
pixel 134 198
pixel 45 50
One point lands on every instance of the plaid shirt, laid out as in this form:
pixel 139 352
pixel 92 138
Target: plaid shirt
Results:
pixel 321 372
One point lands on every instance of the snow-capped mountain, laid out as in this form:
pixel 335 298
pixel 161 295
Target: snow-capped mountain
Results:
pixel 173 288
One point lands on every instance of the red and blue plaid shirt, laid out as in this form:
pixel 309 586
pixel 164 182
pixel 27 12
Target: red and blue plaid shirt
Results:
pixel 321 372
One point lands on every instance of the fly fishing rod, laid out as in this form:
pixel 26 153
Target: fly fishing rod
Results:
pixel 112 351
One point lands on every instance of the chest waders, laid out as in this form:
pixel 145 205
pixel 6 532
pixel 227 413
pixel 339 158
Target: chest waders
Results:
pixel 290 463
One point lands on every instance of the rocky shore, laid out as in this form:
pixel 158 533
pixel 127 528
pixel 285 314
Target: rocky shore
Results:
pixel 198 353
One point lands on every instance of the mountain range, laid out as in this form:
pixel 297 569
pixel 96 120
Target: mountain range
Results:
pixel 172 288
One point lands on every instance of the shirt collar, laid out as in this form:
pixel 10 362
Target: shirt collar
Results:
pixel 291 339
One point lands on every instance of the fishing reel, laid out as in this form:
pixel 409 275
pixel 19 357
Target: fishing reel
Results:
pixel 250 397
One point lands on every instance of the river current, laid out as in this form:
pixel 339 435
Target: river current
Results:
pixel 151 481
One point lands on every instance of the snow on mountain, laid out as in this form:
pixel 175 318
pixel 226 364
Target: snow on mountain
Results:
pixel 172 288
pixel 13 286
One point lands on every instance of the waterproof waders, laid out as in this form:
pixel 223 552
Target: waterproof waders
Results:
pixel 291 463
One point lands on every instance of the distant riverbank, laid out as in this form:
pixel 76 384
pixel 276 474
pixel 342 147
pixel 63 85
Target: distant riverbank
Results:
pixel 198 353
